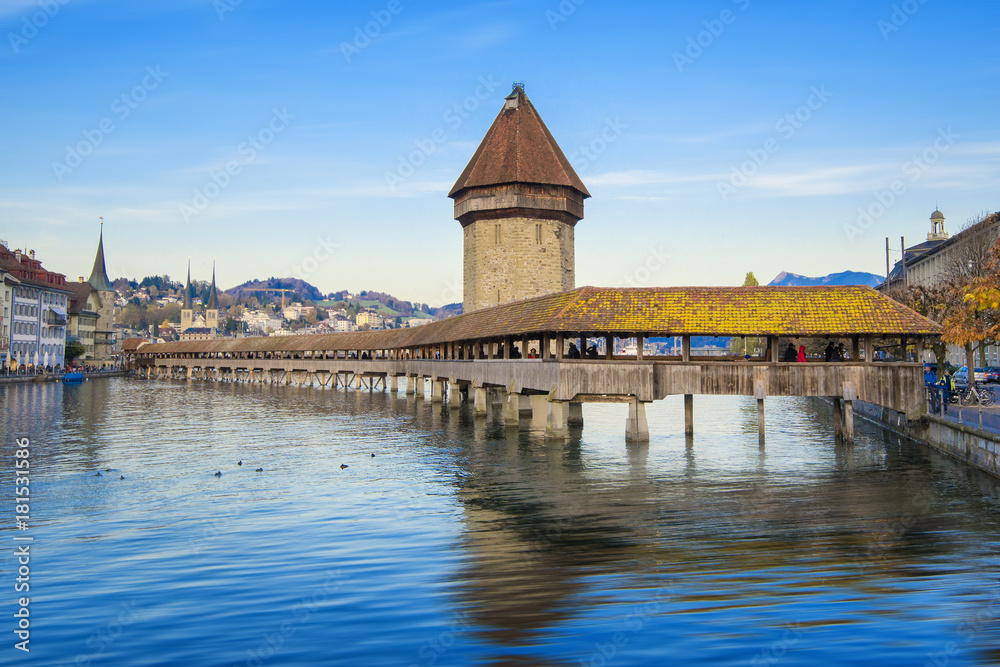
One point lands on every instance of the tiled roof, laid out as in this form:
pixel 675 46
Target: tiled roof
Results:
pixel 78 299
pixel 665 311
pixel 518 148
pixel 27 270
pixel 133 344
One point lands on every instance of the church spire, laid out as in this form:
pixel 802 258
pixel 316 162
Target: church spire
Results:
pixel 99 276
pixel 187 289
pixel 213 299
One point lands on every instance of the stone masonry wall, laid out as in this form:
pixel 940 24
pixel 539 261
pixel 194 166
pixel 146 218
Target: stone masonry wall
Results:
pixel 518 267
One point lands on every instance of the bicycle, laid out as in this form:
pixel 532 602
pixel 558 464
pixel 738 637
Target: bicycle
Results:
pixel 933 399
pixel 975 394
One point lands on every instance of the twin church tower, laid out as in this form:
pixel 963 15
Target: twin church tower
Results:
pixel 518 201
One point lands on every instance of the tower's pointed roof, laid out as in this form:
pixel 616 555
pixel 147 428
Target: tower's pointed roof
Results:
pixel 99 276
pixel 187 289
pixel 213 299
pixel 518 148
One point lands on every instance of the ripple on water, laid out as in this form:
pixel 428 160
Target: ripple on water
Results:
pixel 464 543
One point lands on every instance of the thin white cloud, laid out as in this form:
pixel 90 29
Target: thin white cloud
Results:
pixel 637 177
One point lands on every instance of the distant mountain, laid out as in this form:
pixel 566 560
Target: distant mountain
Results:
pixel 842 278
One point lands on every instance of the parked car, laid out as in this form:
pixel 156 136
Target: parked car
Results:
pixel 962 376
pixel 993 374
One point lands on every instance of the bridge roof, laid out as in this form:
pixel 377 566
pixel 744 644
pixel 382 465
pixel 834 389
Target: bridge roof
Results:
pixel 666 311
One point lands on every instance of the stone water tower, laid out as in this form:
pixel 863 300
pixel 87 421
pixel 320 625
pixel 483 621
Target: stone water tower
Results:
pixel 518 201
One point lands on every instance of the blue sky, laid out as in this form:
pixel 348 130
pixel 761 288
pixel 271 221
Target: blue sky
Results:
pixel 277 137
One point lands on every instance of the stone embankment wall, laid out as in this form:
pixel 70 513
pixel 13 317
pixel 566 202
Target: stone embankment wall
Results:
pixel 976 447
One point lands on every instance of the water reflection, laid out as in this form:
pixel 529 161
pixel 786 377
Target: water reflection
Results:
pixel 705 547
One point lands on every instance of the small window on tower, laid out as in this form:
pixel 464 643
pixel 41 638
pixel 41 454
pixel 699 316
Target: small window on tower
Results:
pixel 497 230
pixel 538 234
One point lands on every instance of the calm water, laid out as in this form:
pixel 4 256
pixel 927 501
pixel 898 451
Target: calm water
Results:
pixel 462 544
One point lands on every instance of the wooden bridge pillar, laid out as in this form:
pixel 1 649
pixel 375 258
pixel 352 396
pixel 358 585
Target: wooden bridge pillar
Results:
pixel 539 408
pixel 850 395
pixel 394 384
pixel 481 405
pixel 760 392
pixel 555 425
pixel 454 394
pixel 418 386
pixel 636 428
pixel 760 421
pixel 838 417
pixel 437 391
pixel 511 413
pixel 688 414
pixel 849 422
pixel 574 415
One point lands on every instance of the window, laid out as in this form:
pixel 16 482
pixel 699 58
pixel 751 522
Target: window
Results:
pixel 538 234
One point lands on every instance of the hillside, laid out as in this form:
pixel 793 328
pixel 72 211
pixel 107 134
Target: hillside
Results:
pixel 303 290
pixel 842 278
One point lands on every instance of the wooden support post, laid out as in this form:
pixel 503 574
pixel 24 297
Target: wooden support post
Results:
pixel 539 408
pixel 760 421
pixel 560 346
pixel 639 343
pixel 394 384
pixel 574 416
pixel 636 428
pixel 838 417
pixel 688 414
pixel 511 412
pixel 849 422
pixel 555 424
pixel 850 395
pixel 855 348
pixel 454 394
pixel 686 348
pixel 481 406
pixel 609 347
pixel 437 391
pixel 418 386
pixel 760 393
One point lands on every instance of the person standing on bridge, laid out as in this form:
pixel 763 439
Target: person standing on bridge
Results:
pixel 802 354
pixel 790 353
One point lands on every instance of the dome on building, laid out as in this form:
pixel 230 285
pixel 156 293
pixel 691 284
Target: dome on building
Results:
pixel 937 215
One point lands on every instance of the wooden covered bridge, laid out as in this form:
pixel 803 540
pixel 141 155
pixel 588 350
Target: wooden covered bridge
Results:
pixel 488 354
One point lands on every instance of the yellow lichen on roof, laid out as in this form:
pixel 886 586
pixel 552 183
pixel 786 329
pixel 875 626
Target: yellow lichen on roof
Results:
pixel 662 311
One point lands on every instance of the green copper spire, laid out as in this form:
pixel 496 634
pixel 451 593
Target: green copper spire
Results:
pixel 213 299
pixel 99 276
pixel 187 290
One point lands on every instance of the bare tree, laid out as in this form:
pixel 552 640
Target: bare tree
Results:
pixel 970 256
